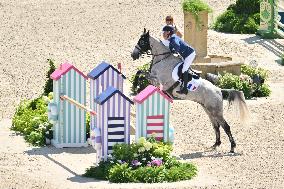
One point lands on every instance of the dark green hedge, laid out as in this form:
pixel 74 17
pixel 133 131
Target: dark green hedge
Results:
pixel 242 17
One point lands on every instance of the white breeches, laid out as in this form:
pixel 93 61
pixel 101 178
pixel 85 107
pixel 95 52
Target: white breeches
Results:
pixel 188 61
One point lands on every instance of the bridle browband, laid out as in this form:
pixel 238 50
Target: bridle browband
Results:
pixel 141 51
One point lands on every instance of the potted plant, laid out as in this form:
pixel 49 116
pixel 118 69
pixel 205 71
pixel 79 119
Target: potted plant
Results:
pixel 196 24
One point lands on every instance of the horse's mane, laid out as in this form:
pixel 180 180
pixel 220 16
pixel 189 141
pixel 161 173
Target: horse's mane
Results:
pixel 159 41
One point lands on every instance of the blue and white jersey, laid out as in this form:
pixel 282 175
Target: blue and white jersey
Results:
pixel 179 46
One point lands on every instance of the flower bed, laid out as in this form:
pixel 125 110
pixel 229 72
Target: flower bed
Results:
pixel 147 161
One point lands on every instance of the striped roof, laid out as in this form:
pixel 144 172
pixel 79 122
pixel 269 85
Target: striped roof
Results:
pixel 148 91
pixel 63 69
pixel 108 93
pixel 100 69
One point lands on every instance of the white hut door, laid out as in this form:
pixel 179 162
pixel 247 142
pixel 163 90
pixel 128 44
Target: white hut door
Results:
pixel 116 133
pixel 155 126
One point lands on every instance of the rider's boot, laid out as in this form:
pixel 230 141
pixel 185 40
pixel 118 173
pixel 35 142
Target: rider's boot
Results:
pixel 185 78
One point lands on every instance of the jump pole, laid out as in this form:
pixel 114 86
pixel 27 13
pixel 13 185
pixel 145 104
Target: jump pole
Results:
pixel 79 105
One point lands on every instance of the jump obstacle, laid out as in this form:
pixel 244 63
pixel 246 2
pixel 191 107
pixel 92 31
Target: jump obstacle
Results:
pixel 110 109
pixel 69 120
pixel 271 19
pixel 152 107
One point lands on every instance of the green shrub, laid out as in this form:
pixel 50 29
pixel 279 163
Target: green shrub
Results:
pixel 194 7
pixel 183 171
pixel 150 174
pixel 121 173
pixel 31 120
pixel 229 81
pixel 48 87
pixel 262 91
pixel 246 7
pixel 251 71
pixel 146 161
pixel 139 81
pixel 99 172
pixel 246 83
pixel 242 17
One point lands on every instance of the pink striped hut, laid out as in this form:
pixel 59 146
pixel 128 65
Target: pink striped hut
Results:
pixel 113 119
pixel 69 129
pixel 101 77
pixel 152 113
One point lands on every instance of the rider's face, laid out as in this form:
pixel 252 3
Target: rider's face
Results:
pixel 166 34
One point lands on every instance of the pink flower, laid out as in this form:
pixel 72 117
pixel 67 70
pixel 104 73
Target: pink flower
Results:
pixel 157 162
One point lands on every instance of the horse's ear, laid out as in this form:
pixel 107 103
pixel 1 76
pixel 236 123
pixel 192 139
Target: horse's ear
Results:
pixel 147 34
pixel 144 30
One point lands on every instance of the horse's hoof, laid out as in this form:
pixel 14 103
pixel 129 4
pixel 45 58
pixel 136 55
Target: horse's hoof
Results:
pixel 232 152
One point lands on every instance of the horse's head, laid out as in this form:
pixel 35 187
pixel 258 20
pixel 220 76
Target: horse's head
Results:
pixel 142 46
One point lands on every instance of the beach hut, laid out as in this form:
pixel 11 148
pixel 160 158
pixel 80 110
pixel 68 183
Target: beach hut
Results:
pixel 113 119
pixel 69 126
pixel 152 113
pixel 101 77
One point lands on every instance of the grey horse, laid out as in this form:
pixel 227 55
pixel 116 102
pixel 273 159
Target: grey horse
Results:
pixel 207 95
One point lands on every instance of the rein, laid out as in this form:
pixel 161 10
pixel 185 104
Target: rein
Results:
pixel 152 63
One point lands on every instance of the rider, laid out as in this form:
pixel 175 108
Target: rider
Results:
pixel 177 45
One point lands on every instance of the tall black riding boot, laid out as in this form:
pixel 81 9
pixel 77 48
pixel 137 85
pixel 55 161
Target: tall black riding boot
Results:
pixel 185 78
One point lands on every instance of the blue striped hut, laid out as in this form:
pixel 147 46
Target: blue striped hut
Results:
pixel 69 130
pixel 152 113
pixel 113 119
pixel 101 77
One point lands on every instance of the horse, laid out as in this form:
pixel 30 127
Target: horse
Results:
pixel 209 96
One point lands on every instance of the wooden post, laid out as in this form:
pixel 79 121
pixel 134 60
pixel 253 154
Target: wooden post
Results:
pixel 64 97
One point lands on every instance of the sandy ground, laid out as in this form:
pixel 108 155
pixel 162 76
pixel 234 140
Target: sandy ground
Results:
pixel 87 32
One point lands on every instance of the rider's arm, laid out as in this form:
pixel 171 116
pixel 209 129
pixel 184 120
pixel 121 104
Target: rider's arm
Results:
pixel 177 31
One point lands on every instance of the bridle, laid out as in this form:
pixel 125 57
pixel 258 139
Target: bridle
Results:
pixel 142 51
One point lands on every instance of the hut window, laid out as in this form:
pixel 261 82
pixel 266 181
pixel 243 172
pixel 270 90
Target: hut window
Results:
pixel 155 125
pixel 116 132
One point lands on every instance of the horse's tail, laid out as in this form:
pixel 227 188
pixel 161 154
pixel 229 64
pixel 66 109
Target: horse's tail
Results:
pixel 237 99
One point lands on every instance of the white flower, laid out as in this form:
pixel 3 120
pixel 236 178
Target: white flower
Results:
pixel 41 126
pixel 141 140
pixel 119 161
pixel 109 156
pixel 148 146
pixel 111 161
pixel 143 159
pixel 142 149
pixel 135 155
pixel 138 163
pixel 152 158
pixel 46 99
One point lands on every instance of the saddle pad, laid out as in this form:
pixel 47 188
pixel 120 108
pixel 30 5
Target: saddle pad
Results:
pixel 193 84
